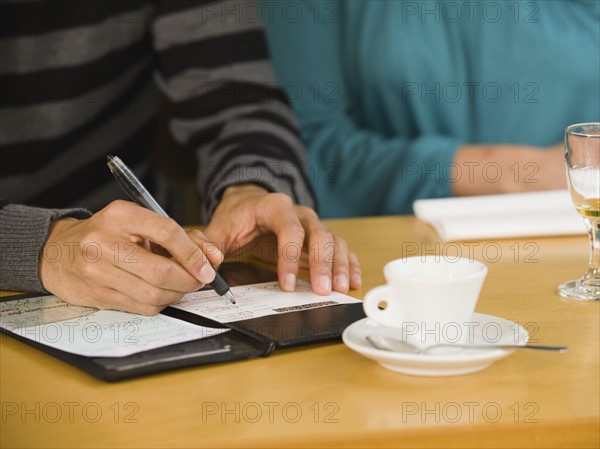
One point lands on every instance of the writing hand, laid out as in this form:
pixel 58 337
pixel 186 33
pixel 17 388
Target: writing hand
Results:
pixel 107 261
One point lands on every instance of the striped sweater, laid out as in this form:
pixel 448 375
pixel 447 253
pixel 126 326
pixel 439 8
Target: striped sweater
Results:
pixel 82 79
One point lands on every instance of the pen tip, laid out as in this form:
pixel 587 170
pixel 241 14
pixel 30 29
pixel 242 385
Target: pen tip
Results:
pixel 228 295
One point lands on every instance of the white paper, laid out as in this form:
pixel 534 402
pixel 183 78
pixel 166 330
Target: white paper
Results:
pixel 502 216
pixel 258 300
pixel 92 332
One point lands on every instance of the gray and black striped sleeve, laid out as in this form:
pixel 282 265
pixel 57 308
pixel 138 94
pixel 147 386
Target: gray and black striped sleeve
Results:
pixel 213 64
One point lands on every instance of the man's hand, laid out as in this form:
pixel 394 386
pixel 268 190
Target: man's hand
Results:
pixel 271 227
pixel 106 261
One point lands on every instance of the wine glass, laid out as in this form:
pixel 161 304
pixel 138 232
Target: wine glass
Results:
pixel 582 156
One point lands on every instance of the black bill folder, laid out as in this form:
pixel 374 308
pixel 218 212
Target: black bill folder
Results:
pixel 244 339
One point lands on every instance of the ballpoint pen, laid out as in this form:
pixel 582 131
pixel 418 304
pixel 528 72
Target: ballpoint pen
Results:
pixel 138 193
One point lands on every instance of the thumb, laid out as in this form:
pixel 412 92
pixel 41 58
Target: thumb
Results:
pixel 217 235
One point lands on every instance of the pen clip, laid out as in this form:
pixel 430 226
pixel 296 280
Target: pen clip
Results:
pixel 132 186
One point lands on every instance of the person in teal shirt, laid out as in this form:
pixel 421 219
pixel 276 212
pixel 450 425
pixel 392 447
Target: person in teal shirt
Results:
pixel 401 100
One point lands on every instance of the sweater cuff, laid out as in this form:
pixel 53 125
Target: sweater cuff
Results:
pixel 23 232
pixel 272 175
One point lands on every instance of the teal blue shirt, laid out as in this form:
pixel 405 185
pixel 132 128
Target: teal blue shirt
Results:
pixel 386 91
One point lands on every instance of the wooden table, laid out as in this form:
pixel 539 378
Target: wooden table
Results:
pixel 326 395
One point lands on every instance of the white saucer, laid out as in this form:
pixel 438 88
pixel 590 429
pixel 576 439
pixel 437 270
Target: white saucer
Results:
pixel 489 329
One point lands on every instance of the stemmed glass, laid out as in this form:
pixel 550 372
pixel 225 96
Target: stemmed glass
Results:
pixel 582 155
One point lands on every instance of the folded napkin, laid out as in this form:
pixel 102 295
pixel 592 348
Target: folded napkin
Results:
pixel 502 216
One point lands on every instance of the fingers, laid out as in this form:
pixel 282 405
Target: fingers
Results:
pixel 340 265
pixel 321 257
pixel 290 242
pixel 327 257
pixel 154 269
pixel 124 291
pixel 106 260
pixel 137 221
pixel 332 266
pixel 249 215
pixel 355 271
pixel 214 256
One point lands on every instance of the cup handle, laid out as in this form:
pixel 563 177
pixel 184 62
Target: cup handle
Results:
pixel 371 304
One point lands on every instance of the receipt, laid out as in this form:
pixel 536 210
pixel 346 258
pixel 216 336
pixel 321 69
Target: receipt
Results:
pixel 92 332
pixel 257 300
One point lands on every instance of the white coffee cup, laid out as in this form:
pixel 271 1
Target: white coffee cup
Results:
pixel 430 299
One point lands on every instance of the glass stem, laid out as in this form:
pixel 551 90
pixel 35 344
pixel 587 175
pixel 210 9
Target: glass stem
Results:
pixel 591 279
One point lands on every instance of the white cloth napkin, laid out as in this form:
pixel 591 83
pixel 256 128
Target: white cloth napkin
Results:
pixel 502 216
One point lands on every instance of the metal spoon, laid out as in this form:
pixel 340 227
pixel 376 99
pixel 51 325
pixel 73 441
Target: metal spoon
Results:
pixel 391 344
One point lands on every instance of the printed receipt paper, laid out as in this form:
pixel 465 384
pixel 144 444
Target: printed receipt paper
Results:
pixel 108 333
pixel 94 333
pixel 257 300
